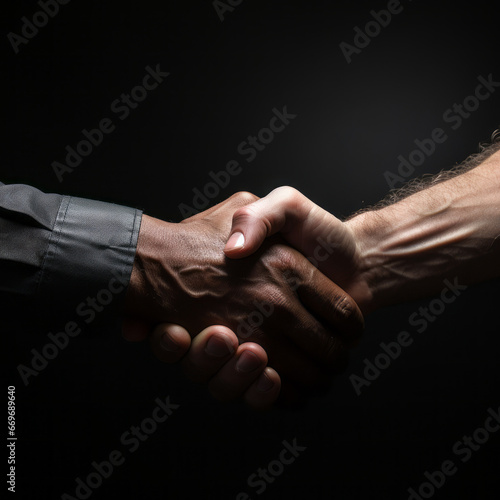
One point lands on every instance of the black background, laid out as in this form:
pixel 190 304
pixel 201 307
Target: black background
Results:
pixel 353 120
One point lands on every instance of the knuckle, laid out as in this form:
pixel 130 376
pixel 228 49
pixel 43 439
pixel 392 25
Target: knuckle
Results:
pixel 344 306
pixel 291 197
pixel 283 258
pixel 244 198
pixel 248 216
pixel 243 214
pixel 287 192
pixel 349 315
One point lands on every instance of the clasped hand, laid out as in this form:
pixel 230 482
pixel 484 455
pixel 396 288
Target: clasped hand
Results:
pixel 252 293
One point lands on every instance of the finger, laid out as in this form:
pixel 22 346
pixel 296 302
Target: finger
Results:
pixel 135 330
pixel 170 342
pixel 284 355
pixel 264 391
pixel 327 301
pixel 235 201
pixel 236 376
pixel 210 351
pixel 285 209
pixel 319 341
pixel 215 348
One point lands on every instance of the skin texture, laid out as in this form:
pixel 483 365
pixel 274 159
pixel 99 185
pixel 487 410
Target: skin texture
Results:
pixel 212 365
pixel 448 229
pixel 304 322
pixel 329 243
pixel 398 253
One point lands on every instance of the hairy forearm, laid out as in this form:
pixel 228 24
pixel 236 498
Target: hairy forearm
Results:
pixel 448 230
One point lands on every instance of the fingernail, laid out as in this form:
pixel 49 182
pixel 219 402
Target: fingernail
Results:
pixel 248 362
pixel 218 346
pixel 264 384
pixel 169 344
pixel 236 241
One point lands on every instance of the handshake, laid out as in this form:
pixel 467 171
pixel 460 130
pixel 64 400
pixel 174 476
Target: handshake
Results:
pixel 279 281
pixel 274 282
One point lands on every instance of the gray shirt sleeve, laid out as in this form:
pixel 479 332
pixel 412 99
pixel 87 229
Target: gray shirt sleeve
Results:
pixel 64 256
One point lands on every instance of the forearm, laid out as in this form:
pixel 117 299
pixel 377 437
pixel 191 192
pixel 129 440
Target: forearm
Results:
pixel 449 230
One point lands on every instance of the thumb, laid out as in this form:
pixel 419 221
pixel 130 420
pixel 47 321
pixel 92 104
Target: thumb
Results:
pixel 283 209
pixel 249 230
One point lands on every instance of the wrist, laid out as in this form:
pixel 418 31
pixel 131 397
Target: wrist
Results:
pixel 146 296
pixel 406 253
pixel 366 229
pixel 446 231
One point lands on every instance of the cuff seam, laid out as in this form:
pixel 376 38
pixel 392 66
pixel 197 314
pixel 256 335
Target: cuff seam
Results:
pixel 54 238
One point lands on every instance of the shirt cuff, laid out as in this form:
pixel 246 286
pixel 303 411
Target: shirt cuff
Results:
pixel 89 260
